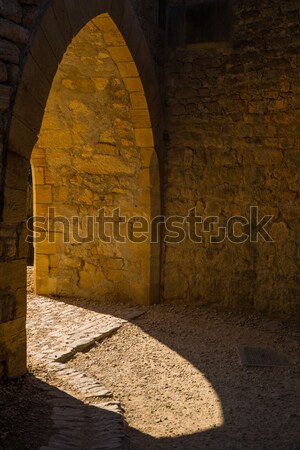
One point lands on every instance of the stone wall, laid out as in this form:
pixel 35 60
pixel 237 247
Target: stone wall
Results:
pixel 19 20
pixel 92 155
pixel 29 57
pixel 233 123
pixel 231 142
pixel 16 22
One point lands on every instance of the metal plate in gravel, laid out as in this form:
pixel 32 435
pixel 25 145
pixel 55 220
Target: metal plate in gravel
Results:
pixel 261 357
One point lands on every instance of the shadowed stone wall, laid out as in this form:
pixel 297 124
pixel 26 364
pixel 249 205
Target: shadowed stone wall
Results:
pixel 233 123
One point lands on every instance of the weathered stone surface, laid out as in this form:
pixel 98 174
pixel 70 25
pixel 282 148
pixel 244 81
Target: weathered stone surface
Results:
pixel 5 93
pixel 231 135
pixel 30 15
pixel 14 205
pixel 11 9
pixel 13 72
pixel 225 154
pixel 13 347
pixel 32 2
pixel 9 51
pixel 21 138
pixel 16 33
pixel 82 164
pixel 3 72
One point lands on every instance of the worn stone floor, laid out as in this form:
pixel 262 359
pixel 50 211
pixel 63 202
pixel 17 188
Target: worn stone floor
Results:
pixel 172 373
pixel 84 414
pixel 177 372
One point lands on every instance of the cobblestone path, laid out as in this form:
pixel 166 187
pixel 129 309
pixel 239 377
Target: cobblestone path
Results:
pixel 84 413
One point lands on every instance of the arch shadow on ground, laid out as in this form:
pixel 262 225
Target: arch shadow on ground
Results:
pixel 259 405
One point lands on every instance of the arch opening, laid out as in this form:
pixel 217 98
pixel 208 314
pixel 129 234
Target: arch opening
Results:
pixel 59 24
pixel 94 168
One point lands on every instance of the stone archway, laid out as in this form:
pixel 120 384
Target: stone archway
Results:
pixel 95 153
pixel 60 23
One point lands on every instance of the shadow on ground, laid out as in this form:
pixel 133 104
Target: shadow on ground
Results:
pixel 35 415
pixel 259 404
pixel 25 416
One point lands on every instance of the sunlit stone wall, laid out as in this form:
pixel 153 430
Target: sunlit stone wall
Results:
pixel 131 140
pixel 94 151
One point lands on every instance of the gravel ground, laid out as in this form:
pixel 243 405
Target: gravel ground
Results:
pixel 177 373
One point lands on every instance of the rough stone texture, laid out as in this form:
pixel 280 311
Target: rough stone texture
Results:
pixel 49 46
pixel 82 398
pixel 58 331
pixel 9 51
pixel 76 425
pixel 233 142
pixel 16 33
pixel 92 154
pixel 11 9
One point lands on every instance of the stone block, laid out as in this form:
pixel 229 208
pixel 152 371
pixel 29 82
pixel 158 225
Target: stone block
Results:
pixel 144 178
pixel 13 341
pixel 13 275
pixel 11 9
pixel 75 11
pixel 46 248
pixel 42 262
pixel 35 80
pixel 144 137
pixel 115 275
pixel 30 16
pixel 120 54
pixel 140 118
pixel 101 83
pixel 60 139
pixel 42 52
pixel 16 172
pixel 114 264
pixel 53 33
pixel 103 164
pixel 28 109
pixel 138 101
pixel 13 32
pixel 15 202
pixel 20 309
pixel 45 286
pixel 104 23
pixel 9 51
pixel 43 194
pixel 21 139
pixel 3 72
pixel 134 84
pixel 39 175
pixel 146 156
pixel 127 69
pixel 5 97
pixel 91 282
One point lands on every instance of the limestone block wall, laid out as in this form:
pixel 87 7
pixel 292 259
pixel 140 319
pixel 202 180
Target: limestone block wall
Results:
pixel 34 36
pixel 231 141
pixel 233 135
pixel 95 150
